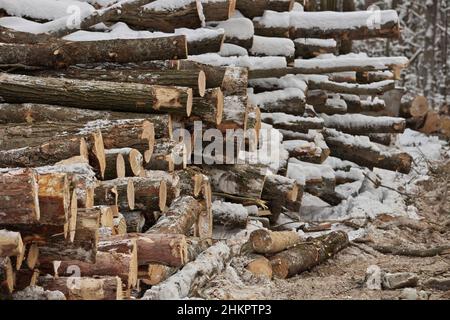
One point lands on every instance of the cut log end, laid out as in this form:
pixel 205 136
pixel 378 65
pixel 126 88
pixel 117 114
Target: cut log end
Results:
pixel 73 211
pixel 189 102
pixel 130 194
pixel 148 133
pixel 120 166
pixel 162 195
pixel 201 83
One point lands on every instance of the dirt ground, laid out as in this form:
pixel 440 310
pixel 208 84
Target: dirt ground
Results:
pixel 342 277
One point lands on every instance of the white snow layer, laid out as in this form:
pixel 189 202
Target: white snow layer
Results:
pixel 271 46
pixel 253 63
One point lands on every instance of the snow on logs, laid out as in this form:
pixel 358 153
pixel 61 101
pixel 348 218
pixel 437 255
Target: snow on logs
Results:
pixel 357 25
pixel 359 124
pixel 290 122
pixel 100 95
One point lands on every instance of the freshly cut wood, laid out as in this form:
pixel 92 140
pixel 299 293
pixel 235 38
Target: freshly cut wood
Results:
pixel 243 180
pixel 290 122
pixel 289 100
pixel 84 246
pixel 315 151
pixel 191 181
pixel 414 109
pixel 124 162
pixel 107 214
pixel 316 97
pixel 84 288
pixel 234 113
pixel 88 145
pixel 32 256
pixel 231 215
pixel 18 184
pixel 150 192
pixel 256 8
pixel 118 192
pixel 203 228
pixel 167 155
pixel 277 191
pixel 358 124
pixel 60 53
pixel 11 244
pixel 106 264
pixel 135 220
pixel 360 150
pixel 260 266
pixel 179 217
pixel 312 47
pixel 155 273
pixel 266 241
pixel 210 107
pixel 6 277
pixel 167 249
pixel 183 78
pixel 97 95
pixel 307 255
pixel 120 225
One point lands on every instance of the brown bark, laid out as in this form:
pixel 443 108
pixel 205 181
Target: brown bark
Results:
pixel 6 277
pixel 218 10
pixel 84 288
pixel 12 36
pixel 307 255
pixel 294 105
pixel 210 107
pixel 277 191
pixel 306 50
pixel 135 220
pixel 230 215
pixel 168 156
pixel 118 192
pixel 155 273
pixel 292 123
pixel 150 192
pixel 206 45
pixel 179 218
pixel 362 125
pixel 256 8
pixel 97 95
pixel 19 184
pixel 59 53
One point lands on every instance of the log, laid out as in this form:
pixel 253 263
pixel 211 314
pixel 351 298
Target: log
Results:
pixel 84 246
pixel 150 192
pixel 11 244
pixel 179 217
pixel 264 27
pixel 13 36
pixel 106 264
pixel 260 266
pixel 374 76
pixel 203 228
pixel 191 181
pixel 293 123
pixel 6 277
pixel 19 184
pixel 376 88
pixel 97 95
pixel 381 138
pixel 273 46
pixel 289 100
pixel 231 215
pixel 266 241
pixel 135 220
pixel 88 145
pixel 256 8
pixel 210 107
pixel 367 154
pixel 316 97
pixel 358 124
pixel 167 156
pixel 284 82
pixel 182 78
pixel 307 255
pixel 312 47
pixel 277 191
pixel 307 151
pixel 333 105
pixel 218 10
pixel 84 288
pixel 356 105
pixel 167 249
pixel 60 53
pixel 118 192
pixel 123 162
pixel 238 31
pixel 155 273
pixel 120 225
pixel 234 113
pixel 209 43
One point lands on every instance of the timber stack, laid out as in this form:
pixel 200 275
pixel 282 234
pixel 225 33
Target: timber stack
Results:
pixel 104 192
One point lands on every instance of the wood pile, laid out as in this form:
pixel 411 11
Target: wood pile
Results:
pixel 99 197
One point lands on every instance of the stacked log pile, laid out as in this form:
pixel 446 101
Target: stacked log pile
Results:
pixel 98 194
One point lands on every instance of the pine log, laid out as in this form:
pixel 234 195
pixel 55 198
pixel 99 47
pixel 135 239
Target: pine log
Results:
pixel 191 181
pixel 97 95
pixel 231 215
pixel 6 277
pixel 182 78
pixel 84 288
pixel 88 145
pixel 293 123
pixel 120 225
pixel 107 214
pixel 179 217
pixel 19 184
pixel 311 47
pixel 11 244
pixel 358 124
pixel 307 255
pixel 167 249
pixel 277 191
pixel 106 264
pixel 60 53
pixel 155 273
pixel 118 192
pixel 203 228
pixel 365 153
pixel 256 8
pixel 167 156
pixel 150 192
pixel 123 162
pixel 266 241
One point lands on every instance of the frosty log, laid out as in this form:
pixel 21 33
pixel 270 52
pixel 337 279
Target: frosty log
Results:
pixel 14 184
pixel 99 95
pixel 256 8
pixel 312 47
pixel 59 53
pixel 358 124
pixel 277 191
pixel 231 215
pixel 305 256
pixel 289 100
pixel 290 122
pixel 210 107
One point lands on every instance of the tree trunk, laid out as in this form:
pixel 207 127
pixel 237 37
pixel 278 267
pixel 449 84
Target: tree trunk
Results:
pixel 97 95
pixel 293 123
pixel 10 244
pixel 231 215
pixel 256 8
pixel 210 107
pixel 307 255
pixel 265 241
pixel 289 100
pixel 358 124
pixel 168 156
pixel 150 193
pixel 124 162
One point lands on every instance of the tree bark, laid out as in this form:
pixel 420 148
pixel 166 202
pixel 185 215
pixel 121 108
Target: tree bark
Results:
pixel 293 123
pixel 168 156
pixel 266 241
pixel 278 190
pixel 363 125
pixel 218 10
pixel 135 220
pixel 307 255
pixel 210 107
pixel 150 193
pixel 256 8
